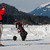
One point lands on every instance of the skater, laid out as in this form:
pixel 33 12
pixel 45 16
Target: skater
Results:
pixel 21 30
pixel 2 13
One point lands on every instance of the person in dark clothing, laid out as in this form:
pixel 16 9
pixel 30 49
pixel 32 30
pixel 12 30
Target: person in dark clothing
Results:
pixel 22 31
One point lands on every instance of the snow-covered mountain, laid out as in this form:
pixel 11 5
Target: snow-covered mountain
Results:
pixel 43 10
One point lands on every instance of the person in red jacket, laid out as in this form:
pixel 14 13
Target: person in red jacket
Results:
pixel 2 13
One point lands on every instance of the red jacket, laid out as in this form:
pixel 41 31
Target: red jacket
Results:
pixel 21 30
pixel 2 12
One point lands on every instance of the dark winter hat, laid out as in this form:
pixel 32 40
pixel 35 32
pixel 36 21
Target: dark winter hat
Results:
pixel 4 6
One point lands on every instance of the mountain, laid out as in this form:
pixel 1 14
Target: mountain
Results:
pixel 14 15
pixel 43 10
pixel 11 10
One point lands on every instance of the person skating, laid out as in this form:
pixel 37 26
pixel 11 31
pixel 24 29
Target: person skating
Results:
pixel 21 30
pixel 2 13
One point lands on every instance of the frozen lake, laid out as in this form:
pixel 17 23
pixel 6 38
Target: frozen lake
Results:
pixel 38 38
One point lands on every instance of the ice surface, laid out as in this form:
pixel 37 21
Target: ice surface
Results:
pixel 38 38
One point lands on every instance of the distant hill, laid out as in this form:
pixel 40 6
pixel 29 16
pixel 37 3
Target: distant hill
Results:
pixel 13 14
pixel 43 10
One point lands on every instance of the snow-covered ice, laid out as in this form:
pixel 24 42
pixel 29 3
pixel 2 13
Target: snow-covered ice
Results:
pixel 38 38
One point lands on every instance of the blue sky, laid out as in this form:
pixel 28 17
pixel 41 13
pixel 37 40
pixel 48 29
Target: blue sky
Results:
pixel 25 5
